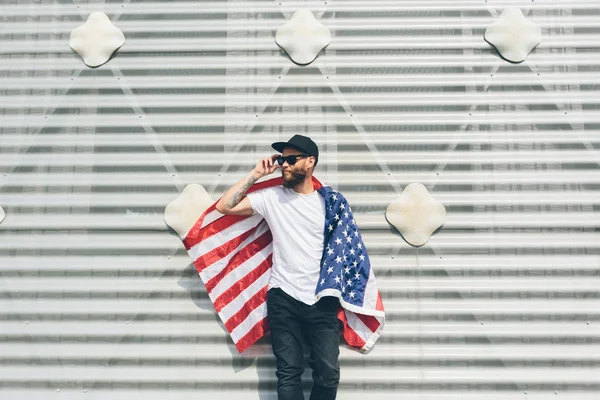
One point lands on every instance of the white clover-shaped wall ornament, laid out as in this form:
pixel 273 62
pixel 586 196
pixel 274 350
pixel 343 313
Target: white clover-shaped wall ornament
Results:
pixel 416 214
pixel 303 37
pixel 182 213
pixel 513 35
pixel 96 40
pixel 2 215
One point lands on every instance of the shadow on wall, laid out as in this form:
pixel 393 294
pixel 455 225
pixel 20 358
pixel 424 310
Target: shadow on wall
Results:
pixel 258 356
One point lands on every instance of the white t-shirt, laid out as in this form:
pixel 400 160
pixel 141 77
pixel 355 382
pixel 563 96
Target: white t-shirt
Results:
pixel 296 222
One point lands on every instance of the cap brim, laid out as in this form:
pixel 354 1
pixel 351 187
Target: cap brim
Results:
pixel 279 146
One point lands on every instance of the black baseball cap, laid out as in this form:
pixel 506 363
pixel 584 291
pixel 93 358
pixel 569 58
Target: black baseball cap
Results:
pixel 302 143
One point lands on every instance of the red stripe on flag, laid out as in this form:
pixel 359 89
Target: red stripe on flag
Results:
pixel 218 225
pixel 253 335
pixel 316 184
pixel 223 250
pixel 371 322
pixel 227 296
pixel 379 305
pixel 193 232
pixel 239 258
pixel 250 305
pixel 350 335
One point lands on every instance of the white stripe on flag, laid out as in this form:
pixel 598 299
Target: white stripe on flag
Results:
pixel 257 315
pixel 240 271
pixel 211 217
pixel 208 218
pixel 370 295
pixel 358 326
pixel 212 270
pixel 223 236
pixel 236 304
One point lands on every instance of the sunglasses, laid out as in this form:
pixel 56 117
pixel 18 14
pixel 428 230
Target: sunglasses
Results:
pixel 291 160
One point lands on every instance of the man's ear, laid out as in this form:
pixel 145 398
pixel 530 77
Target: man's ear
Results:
pixel 311 160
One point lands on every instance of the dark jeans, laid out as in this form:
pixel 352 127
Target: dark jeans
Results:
pixel 290 321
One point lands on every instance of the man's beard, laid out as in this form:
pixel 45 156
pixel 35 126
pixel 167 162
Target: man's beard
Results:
pixel 293 178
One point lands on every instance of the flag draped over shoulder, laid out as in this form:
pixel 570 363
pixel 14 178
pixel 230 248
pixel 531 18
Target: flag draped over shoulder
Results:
pixel 233 255
pixel 347 274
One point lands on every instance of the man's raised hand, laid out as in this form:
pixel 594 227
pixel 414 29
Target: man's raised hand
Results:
pixel 266 166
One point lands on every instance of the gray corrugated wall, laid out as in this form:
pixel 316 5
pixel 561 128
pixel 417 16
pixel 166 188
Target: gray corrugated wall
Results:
pixel 99 300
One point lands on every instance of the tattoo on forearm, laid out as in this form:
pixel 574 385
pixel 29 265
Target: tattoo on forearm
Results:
pixel 239 195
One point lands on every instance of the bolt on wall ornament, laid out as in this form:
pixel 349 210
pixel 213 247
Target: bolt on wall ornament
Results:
pixel 513 35
pixel 96 40
pixel 182 213
pixel 303 37
pixel 416 214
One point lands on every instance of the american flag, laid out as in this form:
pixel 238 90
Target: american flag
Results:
pixel 233 255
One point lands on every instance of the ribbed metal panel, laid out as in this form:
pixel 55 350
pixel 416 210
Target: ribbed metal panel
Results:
pixel 99 300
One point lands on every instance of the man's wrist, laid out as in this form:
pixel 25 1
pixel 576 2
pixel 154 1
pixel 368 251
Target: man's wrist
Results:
pixel 256 175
